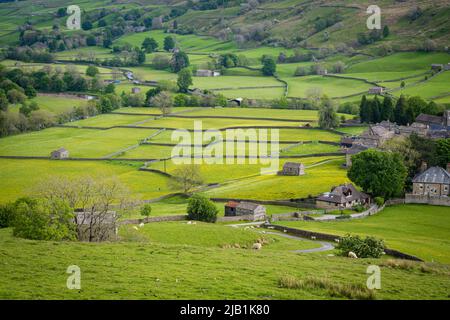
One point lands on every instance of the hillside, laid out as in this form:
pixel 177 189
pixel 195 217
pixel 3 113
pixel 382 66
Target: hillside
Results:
pixel 290 23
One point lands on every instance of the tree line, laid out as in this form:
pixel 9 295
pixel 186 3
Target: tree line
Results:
pixel 404 111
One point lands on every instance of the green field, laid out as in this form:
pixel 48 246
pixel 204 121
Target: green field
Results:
pixel 158 266
pixel 316 180
pixel 18 177
pixel 419 230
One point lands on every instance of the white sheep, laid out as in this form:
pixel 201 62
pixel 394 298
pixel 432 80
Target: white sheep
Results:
pixel 353 255
pixel 189 222
pixel 336 240
pixel 257 246
pixel 313 238
pixel 141 225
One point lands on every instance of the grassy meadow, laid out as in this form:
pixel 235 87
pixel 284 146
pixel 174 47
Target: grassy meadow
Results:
pixel 419 230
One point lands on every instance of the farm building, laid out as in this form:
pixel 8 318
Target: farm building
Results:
pixel 341 197
pixel 376 90
pixel 292 169
pixel 135 90
pixel 233 208
pixel 375 136
pixel 60 154
pixel 437 66
pixel 95 227
pixel 207 73
pixel 434 181
pixel 435 122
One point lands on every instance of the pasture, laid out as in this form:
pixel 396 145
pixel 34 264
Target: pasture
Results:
pixel 212 272
pixel 419 230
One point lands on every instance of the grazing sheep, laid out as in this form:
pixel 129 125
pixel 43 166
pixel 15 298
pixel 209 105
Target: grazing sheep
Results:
pixel 313 238
pixel 141 225
pixel 189 222
pixel 285 231
pixel 257 246
pixel 353 255
pixel 336 240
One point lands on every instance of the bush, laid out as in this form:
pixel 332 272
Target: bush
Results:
pixel 202 209
pixel 344 216
pixel 359 208
pixel 379 201
pixel 369 247
pixel 39 220
pixel 6 215
pixel 146 210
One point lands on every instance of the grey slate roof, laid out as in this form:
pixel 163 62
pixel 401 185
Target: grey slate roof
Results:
pixel 427 118
pixel 293 165
pixel 248 205
pixel 433 175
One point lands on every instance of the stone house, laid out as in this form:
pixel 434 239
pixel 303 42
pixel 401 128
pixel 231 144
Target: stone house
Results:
pixel 59 154
pixel 375 136
pixel 207 73
pixel 434 181
pixel 342 197
pixel 233 208
pixel 136 90
pixel 96 227
pixel 376 90
pixel 292 169
pixel 435 122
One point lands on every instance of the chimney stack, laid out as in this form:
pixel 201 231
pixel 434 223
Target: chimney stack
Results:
pixel 423 167
pixel 448 167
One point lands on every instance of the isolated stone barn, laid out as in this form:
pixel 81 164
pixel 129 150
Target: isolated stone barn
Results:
pixel 292 169
pixel 97 226
pixel 59 154
pixel 233 208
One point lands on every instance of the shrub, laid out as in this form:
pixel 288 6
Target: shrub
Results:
pixel 202 209
pixel 6 215
pixel 37 219
pixel 359 208
pixel 379 201
pixel 369 247
pixel 146 210
pixel 343 216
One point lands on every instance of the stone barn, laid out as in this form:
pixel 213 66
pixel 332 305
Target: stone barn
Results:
pixel 59 154
pixel 96 227
pixel 136 90
pixel 293 169
pixel 376 90
pixel 207 73
pixel 233 208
